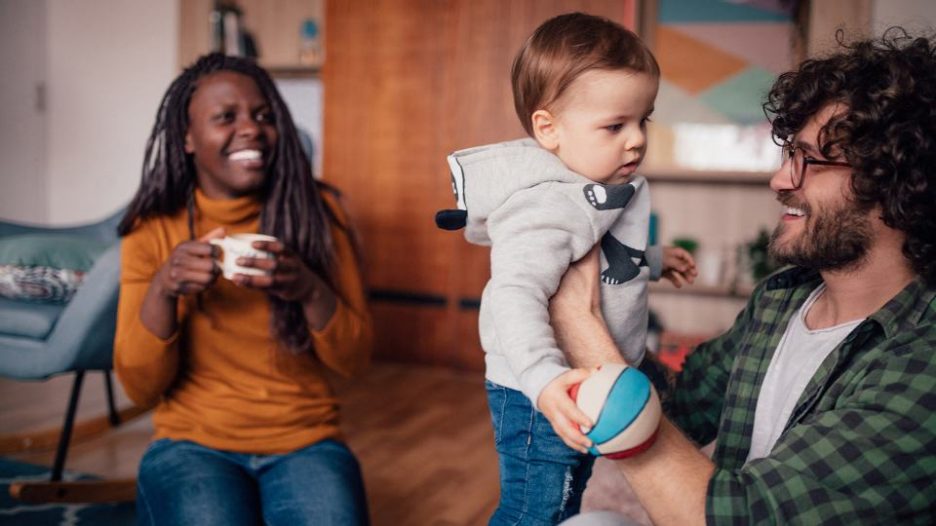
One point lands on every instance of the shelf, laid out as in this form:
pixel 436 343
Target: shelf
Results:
pixel 718 291
pixel 274 25
pixel 760 179
pixel 292 72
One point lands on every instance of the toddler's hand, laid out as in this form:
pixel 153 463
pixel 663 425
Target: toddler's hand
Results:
pixel 678 266
pixel 562 412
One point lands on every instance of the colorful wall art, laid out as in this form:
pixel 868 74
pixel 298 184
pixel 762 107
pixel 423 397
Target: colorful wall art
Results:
pixel 718 58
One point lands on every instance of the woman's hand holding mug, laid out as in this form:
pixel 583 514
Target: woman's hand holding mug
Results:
pixel 270 266
pixel 191 267
pixel 240 252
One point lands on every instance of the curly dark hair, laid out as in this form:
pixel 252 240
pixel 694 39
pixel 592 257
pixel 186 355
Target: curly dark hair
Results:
pixel 293 208
pixel 887 134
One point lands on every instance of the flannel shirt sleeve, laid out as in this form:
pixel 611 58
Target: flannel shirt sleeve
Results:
pixel 869 460
pixel 695 400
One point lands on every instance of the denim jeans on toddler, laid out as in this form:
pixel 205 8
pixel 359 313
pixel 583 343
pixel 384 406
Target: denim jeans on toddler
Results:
pixel 541 478
pixel 181 482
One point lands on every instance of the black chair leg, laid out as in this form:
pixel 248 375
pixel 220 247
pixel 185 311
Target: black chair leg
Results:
pixel 65 437
pixel 112 416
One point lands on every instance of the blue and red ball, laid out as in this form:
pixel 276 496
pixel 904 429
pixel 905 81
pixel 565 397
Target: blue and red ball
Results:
pixel 624 407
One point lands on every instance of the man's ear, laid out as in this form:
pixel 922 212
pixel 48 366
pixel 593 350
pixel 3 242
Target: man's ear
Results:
pixel 544 129
pixel 188 143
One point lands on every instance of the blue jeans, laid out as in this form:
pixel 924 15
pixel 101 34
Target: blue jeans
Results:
pixel 181 482
pixel 541 479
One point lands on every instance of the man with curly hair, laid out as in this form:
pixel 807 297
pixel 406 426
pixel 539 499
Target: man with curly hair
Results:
pixel 822 396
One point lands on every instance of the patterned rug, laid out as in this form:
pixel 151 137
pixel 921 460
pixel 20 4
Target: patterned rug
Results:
pixel 15 513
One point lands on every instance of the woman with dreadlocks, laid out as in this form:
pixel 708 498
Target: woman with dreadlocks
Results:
pixel 246 422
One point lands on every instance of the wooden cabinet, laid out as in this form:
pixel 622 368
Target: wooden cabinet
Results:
pixel 274 24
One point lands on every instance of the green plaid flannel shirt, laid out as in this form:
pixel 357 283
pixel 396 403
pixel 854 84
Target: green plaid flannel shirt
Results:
pixel 860 447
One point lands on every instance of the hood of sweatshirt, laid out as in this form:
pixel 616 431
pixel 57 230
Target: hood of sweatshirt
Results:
pixel 484 177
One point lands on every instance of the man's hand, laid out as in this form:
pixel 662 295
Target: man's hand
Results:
pixel 563 413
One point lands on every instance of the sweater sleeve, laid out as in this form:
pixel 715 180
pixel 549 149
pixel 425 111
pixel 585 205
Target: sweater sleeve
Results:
pixel 344 344
pixel 654 255
pixel 696 399
pixel 145 364
pixel 535 236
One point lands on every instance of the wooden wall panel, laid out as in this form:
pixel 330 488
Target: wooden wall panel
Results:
pixel 383 84
pixel 469 354
pixel 406 83
pixel 405 331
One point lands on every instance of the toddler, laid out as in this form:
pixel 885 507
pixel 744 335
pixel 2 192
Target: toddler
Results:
pixel 584 89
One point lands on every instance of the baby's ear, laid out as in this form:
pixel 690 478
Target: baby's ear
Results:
pixel 544 129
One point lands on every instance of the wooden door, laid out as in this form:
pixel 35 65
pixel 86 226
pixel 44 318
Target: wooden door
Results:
pixel 406 83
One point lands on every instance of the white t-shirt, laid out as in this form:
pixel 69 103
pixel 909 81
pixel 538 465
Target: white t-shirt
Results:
pixel 797 358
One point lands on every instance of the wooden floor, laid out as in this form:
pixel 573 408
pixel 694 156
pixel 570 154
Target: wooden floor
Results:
pixel 423 437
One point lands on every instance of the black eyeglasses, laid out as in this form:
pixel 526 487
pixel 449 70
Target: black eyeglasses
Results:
pixel 799 161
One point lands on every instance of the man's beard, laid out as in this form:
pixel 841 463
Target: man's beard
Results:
pixel 836 239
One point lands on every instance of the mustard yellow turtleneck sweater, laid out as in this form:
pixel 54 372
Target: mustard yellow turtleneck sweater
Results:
pixel 220 380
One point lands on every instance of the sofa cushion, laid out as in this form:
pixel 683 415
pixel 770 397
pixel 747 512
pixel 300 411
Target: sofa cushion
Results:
pixel 51 250
pixel 28 320
pixel 45 267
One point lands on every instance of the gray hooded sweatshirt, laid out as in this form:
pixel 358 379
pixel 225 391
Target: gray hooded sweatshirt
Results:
pixel 539 217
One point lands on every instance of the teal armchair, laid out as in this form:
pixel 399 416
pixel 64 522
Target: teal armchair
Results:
pixel 41 340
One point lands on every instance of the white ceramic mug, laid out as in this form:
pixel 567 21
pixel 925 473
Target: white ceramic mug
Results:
pixel 241 246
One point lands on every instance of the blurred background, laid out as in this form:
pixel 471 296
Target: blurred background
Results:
pixel 384 90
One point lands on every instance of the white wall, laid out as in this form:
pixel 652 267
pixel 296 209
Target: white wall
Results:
pixel 916 16
pixel 23 184
pixel 109 62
